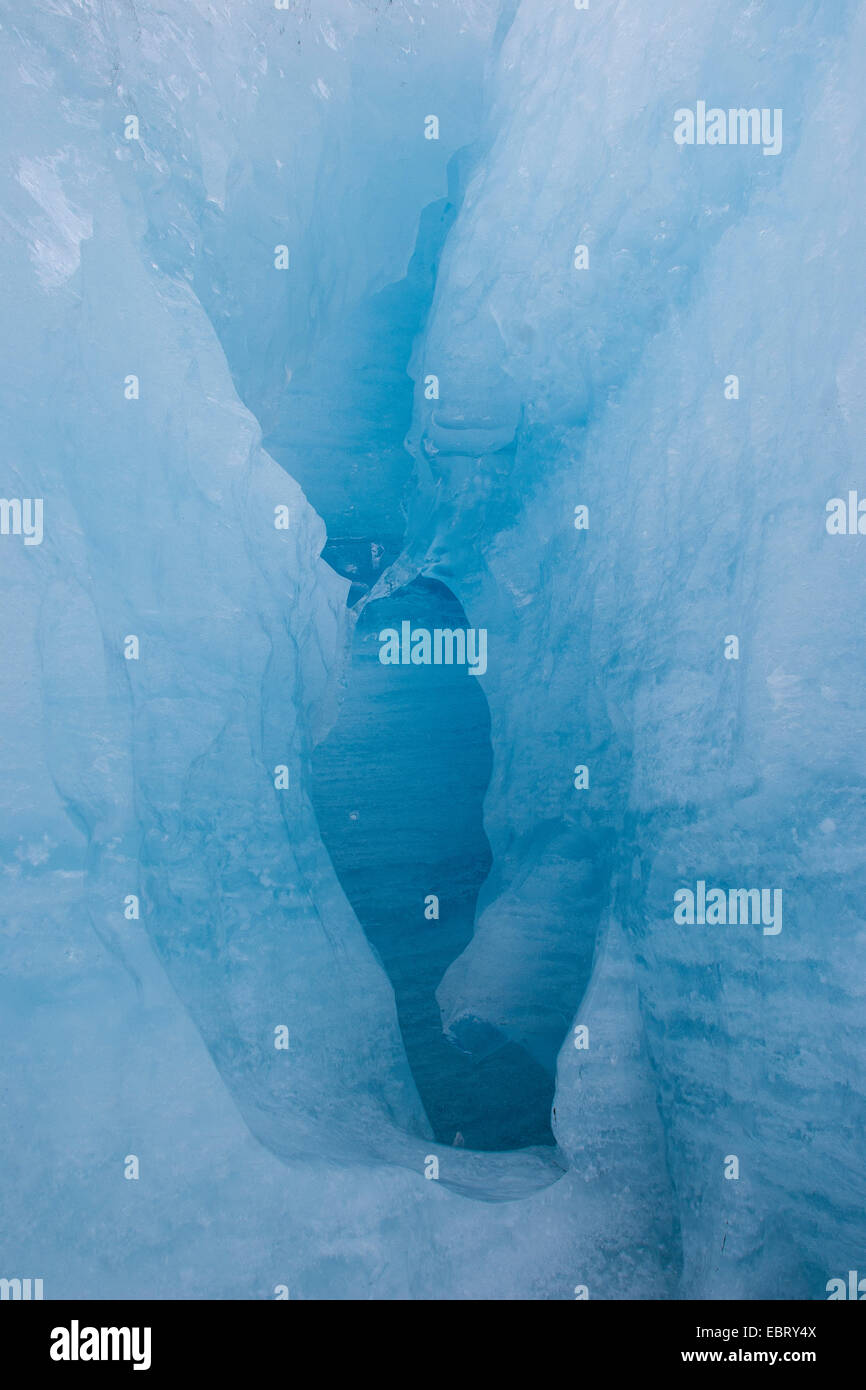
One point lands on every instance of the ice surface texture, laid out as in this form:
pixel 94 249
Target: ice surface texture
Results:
pixel 155 257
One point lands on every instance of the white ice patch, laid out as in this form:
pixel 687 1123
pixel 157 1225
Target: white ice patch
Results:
pixel 55 238
pixel 328 34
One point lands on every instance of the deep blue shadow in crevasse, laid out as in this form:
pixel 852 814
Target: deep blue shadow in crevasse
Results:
pixel 398 787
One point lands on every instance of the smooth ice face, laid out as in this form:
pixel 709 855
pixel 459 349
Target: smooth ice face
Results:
pixel 224 227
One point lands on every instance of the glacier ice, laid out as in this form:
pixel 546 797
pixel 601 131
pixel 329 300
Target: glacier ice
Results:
pixel 272 810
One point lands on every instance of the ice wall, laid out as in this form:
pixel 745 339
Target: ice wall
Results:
pixel 160 525
pixel 605 386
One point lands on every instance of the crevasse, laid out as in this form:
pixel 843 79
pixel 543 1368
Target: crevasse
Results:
pixel 154 256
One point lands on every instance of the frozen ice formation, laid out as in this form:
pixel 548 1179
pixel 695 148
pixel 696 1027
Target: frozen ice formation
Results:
pixel 248 251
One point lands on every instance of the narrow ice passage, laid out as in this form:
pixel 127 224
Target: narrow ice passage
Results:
pixel 397 789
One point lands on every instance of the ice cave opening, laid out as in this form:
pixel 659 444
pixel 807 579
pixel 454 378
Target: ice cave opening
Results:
pixel 406 767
